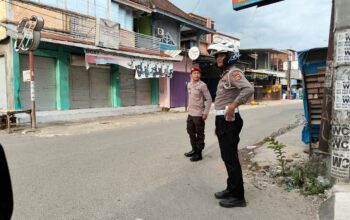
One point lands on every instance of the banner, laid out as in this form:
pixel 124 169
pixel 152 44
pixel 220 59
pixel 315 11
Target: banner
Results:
pixel 144 68
pixel 151 69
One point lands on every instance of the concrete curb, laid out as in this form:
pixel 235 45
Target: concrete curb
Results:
pixel 336 207
pixel 83 114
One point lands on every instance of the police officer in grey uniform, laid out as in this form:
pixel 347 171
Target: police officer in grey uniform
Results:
pixel 233 90
pixel 199 102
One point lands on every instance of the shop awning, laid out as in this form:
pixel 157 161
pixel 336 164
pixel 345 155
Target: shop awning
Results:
pixel 293 82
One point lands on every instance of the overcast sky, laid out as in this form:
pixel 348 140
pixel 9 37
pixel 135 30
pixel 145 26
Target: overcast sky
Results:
pixel 290 24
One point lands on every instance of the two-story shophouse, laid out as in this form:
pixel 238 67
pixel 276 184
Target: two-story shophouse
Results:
pixel 176 27
pixel 93 54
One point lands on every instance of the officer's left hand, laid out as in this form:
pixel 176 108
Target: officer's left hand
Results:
pixel 229 114
pixel 205 117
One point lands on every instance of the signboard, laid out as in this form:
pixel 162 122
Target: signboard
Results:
pixel 343 47
pixel 340 153
pixel 342 95
pixel 164 46
pixel 193 53
pixel 26 76
pixel 107 34
pixel 218 38
pixel 242 4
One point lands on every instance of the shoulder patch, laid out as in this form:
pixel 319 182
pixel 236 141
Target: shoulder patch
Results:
pixel 236 75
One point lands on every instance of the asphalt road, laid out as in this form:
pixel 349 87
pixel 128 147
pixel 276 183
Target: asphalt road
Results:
pixel 139 171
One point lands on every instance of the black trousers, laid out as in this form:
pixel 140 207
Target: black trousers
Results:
pixel 195 129
pixel 6 198
pixel 228 137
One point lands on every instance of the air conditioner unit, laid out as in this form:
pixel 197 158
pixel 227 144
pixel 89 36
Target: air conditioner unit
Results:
pixel 160 31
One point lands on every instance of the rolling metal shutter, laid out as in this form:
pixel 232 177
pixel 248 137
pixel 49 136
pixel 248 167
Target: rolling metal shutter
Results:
pixel 127 86
pixel 143 92
pixel 134 92
pixel 89 88
pixel 79 87
pixel 45 83
pixel 100 88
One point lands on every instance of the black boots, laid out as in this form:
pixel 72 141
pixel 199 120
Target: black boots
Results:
pixel 228 200
pixel 197 156
pixel 233 202
pixel 223 194
pixel 190 154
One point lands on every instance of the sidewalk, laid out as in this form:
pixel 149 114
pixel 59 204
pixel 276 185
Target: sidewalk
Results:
pixel 84 114
pixel 264 170
pixel 81 114
pixel 295 149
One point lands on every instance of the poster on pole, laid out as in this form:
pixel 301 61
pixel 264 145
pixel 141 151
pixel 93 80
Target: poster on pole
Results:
pixel 26 76
pixel 342 95
pixel 343 47
pixel 340 165
pixel 340 161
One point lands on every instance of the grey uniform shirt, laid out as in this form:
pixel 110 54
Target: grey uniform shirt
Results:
pixel 233 86
pixel 199 98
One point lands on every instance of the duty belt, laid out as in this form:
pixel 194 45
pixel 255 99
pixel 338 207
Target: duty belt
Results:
pixel 223 112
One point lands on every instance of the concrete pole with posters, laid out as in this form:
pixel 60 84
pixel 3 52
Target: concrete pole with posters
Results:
pixel 32 87
pixel 337 206
pixel 340 120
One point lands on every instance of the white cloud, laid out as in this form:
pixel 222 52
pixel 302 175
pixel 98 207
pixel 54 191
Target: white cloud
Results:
pixel 295 24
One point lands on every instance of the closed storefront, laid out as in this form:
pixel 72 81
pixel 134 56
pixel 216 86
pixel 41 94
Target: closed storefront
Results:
pixel 134 92
pixel 3 92
pixel 45 83
pixel 127 87
pixel 89 88
pixel 143 92
pixel 178 91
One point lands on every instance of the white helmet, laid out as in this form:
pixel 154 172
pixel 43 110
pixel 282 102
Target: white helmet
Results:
pixel 228 48
pixel 222 47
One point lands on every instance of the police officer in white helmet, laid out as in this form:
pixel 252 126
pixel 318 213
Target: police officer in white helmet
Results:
pixel 233 90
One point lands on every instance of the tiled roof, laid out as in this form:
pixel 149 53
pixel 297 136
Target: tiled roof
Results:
pixel 167 6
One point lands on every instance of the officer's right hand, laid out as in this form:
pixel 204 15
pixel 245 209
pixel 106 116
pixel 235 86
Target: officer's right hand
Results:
pixel 205 117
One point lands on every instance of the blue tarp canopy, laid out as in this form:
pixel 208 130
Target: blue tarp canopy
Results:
pixel 309 63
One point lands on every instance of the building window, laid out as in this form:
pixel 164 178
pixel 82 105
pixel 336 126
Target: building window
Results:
pixel 79 6
pixel 96 8
pixel 123 16
pixel 101 8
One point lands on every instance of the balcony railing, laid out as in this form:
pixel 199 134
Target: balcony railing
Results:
pixel 137 41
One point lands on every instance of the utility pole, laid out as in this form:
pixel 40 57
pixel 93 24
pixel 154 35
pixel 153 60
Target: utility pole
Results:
pixel 325 128
pixel 288 74
pixel 32 87
pixel 28 39
pixel 186 90
pixel 340 120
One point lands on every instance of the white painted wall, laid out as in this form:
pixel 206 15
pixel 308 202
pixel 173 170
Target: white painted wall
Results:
pixel 3 90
